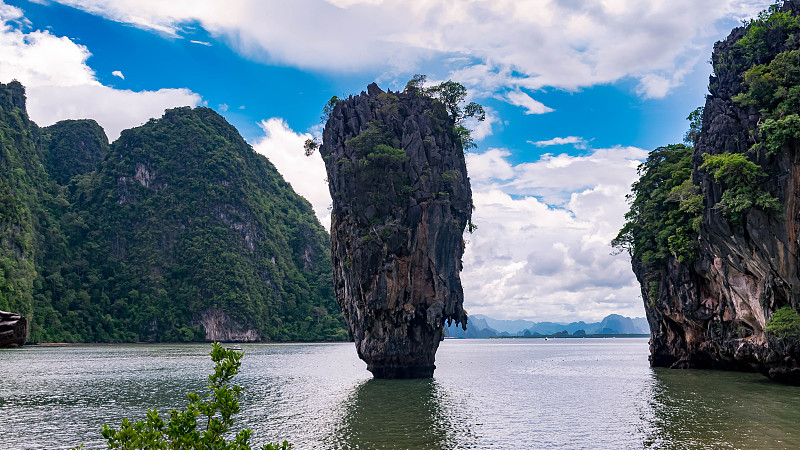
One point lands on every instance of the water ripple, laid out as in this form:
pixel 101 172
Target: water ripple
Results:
pixel 526 393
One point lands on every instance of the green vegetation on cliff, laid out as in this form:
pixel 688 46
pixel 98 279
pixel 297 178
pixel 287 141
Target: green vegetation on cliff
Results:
pixel 774 89
pixel 177 231
pixel 785 324
pixel 768 57
pixel 740 178
pixel 452 95
pixel 665 209
pixel 666 205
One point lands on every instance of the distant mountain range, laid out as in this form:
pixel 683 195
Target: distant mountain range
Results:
pixel 481 326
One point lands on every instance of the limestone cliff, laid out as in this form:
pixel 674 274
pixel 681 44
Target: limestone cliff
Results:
pixel 401 201
pixel 713 311
pixel 13 330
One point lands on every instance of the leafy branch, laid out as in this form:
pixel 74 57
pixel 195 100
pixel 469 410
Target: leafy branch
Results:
pixel 182 431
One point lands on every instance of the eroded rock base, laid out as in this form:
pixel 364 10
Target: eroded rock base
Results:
pixel 13 330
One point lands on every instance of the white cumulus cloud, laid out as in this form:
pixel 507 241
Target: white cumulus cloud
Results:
pixel 495 44
pixel 284 148
pixel 578 142
pixel 60 85
pixel 519 98
pixel 541 249
pixel 118 73
pixel 40 58
pixel 114 109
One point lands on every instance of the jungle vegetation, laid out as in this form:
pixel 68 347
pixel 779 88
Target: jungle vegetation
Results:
pixel 136 240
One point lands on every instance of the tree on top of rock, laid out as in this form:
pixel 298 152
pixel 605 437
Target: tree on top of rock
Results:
pixel 452 94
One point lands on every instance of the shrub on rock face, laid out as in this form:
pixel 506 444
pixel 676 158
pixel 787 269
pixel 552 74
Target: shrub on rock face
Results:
pixel 785 323
pixel 739 176
pixel 665 206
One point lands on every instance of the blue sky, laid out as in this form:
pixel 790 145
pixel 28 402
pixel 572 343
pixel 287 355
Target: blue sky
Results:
pixel 577 91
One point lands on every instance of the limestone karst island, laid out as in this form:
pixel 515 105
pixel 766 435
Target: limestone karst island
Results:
pixel 401 201
pixel 257 224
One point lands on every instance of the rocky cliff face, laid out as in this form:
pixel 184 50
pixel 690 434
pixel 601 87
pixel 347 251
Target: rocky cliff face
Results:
pixel 13 330
pixel 401 201
pixel 219 327
pixel 713 312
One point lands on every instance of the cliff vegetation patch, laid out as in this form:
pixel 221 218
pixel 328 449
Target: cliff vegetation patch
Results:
pixel 785 323
pixel 739 177
pixel 665 209
pixel 774 89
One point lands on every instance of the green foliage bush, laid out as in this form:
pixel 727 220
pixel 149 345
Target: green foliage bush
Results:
pixel 328 108
pixel 771 81
pixel 452 95
pixel 754 44
pixel 768 34
pixel 383 154
pixel 204 424
pixel 739 177
pixel 665 209
pixel 774 88
pixel 695 119
pixel 380 165
pixel 785 323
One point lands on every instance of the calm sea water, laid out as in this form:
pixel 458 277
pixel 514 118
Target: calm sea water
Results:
pixel 505 394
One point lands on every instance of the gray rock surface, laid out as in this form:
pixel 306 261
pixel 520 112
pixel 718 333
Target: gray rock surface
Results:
pixel 401 201
pixel 220 327
pixel 13 330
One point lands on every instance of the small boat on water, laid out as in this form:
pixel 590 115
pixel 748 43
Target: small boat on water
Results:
pixel 236 348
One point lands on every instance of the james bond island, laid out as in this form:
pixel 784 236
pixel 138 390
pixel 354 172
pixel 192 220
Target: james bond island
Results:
pixel 401 202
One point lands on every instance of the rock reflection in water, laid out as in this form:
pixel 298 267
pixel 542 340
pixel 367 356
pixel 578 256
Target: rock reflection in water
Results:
pixel 712 409
pixel 387 414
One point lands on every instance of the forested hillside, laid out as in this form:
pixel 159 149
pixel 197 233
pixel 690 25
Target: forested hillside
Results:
pixel 178 231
